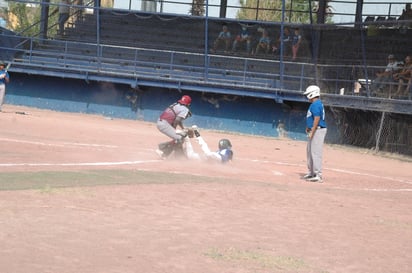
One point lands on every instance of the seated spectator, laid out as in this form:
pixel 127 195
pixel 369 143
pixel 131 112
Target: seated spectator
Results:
pixel 224 38
pixel 403 77
pixel 409 87
pixel 406 12
pixel 385 77
pixel 406 15
pixel 64 14
pixel 286 39
pixel 296 40
pixel 243 38
pixel 263 43
pixel 3 22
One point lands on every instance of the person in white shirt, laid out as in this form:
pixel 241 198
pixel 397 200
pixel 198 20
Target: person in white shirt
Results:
pixel 64 14
pixel 385 77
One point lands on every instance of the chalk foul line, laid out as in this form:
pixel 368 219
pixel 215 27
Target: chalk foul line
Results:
pixel 333 169
pixel 79 164
pixel 63 144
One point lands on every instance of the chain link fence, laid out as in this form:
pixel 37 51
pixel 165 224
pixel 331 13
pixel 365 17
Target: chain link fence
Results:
pixel 380 131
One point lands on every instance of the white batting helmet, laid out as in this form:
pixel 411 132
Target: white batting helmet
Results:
pixel 312 91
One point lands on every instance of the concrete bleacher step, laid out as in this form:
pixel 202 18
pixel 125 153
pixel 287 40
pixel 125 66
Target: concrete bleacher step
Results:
pixel 187 34
pixel 114 27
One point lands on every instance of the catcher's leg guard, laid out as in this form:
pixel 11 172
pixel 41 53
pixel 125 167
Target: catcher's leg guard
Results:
pixel 166 148
pixel 178 150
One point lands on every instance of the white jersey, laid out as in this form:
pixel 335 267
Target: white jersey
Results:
pixel 219 156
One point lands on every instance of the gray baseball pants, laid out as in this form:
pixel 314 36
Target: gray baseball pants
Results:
pixel 314 151
pixel 2 94
pixel 167 129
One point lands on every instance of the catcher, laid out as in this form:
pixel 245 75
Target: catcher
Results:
pixel 171 118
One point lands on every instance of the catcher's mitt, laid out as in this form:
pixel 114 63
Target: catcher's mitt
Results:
pixel 190 132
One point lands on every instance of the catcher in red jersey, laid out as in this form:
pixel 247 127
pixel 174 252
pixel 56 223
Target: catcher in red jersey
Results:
pixel 170 119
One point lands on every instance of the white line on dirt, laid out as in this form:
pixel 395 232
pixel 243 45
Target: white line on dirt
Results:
pixel 373 190
pixel 79 164
pixel 63 144
pixel 388 190
pixel 371 175
pixel 335 170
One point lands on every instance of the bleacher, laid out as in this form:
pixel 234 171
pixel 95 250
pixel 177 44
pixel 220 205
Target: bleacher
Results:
pixel 140 30
pixel 137 47
pixel 182 33
pixel 165 32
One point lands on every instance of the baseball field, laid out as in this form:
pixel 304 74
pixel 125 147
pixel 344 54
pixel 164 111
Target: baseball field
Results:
pixel 86 193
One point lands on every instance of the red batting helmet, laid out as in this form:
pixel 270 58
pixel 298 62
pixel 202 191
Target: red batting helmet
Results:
pixel 185 100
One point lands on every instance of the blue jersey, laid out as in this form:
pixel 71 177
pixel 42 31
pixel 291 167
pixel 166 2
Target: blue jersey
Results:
pixel 225 35
pixel 3 80
pixel 316 109
pixel 264 40
pixel 226 155
pixel 286 37
pixel 295 39
pixel 244 34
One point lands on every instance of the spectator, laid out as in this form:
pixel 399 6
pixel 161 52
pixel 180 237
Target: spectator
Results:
pixel 224 38
pixel 64 13
pixel 385 77
pixel 3 22
pixel 406 15
pixel 403 77
pixel 296 41
pixel 286 39
pixel 242 38
pixel 263 43
pixel 409 87
pixel 406 12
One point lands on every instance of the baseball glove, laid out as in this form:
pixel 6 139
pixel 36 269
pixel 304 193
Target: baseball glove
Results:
pixel 190 132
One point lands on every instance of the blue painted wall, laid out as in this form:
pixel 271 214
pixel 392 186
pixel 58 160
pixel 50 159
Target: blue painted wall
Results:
pixel 212 111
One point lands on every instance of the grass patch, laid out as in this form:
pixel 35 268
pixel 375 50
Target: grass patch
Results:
pixel 264 261
pixel 394 224
pixel 48 180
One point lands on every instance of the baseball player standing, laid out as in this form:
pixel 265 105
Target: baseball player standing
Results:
pixel 316 131
pixel 4 78
pixel 171 118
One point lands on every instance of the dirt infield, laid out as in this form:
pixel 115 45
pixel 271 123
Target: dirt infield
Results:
pixel 84 193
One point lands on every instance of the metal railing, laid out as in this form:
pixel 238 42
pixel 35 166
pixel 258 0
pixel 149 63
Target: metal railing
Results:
pixel 240 75
pixel 243 76
pixel 129 64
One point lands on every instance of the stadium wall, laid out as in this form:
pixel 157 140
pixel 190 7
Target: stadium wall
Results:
pixel 238 114
pixel 246 115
